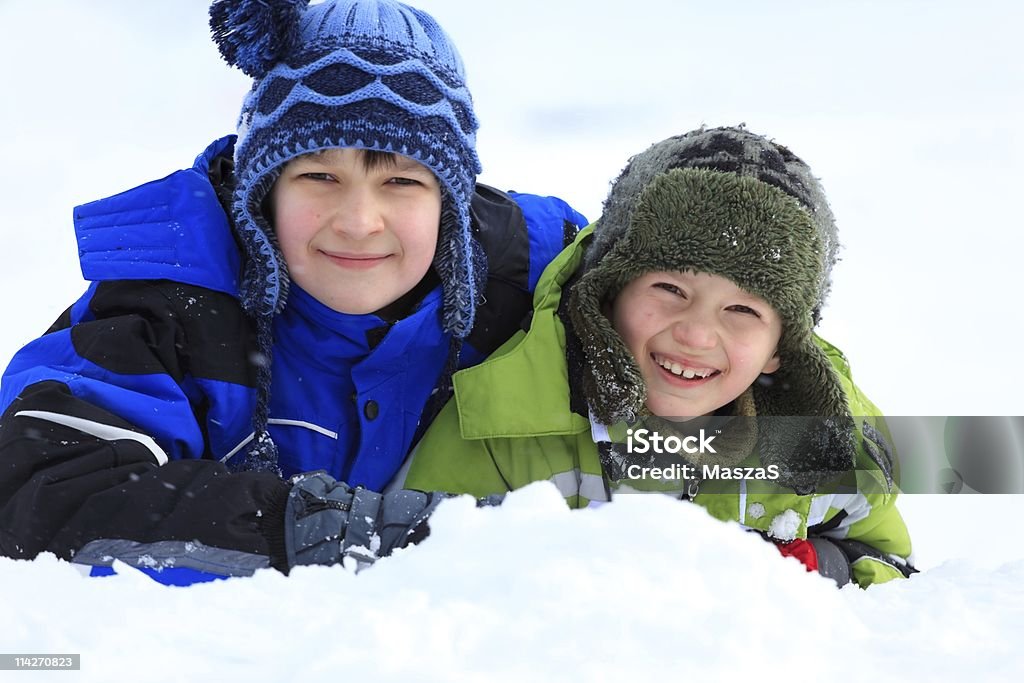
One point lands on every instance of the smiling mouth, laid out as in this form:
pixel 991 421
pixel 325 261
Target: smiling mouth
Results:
pixel 688 374
pixel 357 261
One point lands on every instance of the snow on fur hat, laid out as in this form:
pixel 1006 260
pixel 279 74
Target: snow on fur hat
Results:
pixel 703 202
pixel 369 74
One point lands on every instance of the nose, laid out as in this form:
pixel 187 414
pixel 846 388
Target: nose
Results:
pixel 695 331
pixel 358 215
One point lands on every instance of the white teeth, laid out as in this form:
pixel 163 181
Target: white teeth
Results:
pixel 677 369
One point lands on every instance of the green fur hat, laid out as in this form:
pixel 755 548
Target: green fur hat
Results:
pixel 740 213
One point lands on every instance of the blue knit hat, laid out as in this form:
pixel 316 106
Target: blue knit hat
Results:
pixel 369 74
pixel 372 74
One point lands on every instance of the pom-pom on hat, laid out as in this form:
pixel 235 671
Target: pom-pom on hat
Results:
pixel 368 74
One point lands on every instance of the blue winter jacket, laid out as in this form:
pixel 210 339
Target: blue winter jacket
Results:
pixel 118 422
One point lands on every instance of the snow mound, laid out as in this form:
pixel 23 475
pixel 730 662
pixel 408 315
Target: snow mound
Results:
pixel 643 587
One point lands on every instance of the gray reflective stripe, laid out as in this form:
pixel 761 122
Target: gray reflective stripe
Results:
pixel 237 448
pixel 168 554
pixel 857 508
pixel 99 430
pixel 307 425
pixel 281 421
pixel 819 508
pixel 856 505
pixel 568 483
pixel 572 483
pixel 592 487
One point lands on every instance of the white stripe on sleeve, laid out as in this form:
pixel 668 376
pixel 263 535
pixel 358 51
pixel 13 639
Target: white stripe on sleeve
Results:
pixel 99 430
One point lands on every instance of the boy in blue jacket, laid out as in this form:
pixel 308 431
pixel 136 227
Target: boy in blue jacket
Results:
pixel 293 305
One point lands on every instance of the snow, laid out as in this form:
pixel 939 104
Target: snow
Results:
pixel 785 525
pixel 640 588
pixel 908 111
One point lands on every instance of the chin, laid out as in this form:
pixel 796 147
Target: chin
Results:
pixel 674 412
pixel 349 307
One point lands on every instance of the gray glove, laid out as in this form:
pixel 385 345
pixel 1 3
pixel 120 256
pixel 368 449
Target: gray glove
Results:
pixel 326 520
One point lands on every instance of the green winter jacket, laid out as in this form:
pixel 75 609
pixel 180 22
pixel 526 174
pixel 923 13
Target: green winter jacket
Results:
pixel 510 423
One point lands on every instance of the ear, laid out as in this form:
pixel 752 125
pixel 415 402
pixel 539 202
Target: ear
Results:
pixel 772 365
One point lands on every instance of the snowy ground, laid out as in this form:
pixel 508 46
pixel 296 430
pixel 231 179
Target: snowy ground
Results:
pixel 909 111
pixel 643 589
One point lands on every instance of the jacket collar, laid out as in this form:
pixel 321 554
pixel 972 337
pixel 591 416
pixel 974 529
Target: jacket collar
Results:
pixel 530 368
pixel 332 340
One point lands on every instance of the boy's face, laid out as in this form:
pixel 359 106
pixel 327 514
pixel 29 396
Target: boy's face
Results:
pixel 356 238
pixel 699 340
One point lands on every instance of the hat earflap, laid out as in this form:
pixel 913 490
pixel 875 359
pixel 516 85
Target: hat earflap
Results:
pixel 253 34
pixel 804 420
pixel 612 381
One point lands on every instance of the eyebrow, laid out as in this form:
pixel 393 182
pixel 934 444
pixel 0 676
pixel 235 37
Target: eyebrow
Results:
pixel 405 163
pixel 742 294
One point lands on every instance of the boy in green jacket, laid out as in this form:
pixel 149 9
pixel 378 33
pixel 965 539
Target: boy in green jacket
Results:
pixel 672 349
